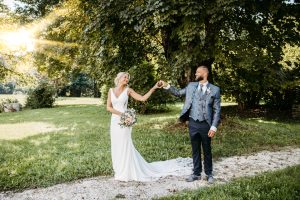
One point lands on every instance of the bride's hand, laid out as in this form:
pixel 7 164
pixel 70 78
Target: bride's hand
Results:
pixel 158 85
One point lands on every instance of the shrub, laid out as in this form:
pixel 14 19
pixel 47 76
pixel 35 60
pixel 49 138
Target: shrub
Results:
pixel 7 104
pixel 43 96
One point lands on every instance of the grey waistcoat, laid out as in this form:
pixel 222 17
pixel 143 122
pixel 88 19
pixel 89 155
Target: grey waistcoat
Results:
pixel 198 106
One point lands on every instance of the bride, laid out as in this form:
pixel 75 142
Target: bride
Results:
pixel 128 164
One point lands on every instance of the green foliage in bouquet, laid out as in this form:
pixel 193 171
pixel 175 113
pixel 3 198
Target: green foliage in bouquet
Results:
pixel 128 118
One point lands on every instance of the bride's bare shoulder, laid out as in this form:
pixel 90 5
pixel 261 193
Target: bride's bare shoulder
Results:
pixel 111 90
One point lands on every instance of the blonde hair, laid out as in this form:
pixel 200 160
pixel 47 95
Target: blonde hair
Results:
pixel 120 75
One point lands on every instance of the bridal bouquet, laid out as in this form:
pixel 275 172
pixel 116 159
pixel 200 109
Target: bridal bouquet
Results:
pixel 128 118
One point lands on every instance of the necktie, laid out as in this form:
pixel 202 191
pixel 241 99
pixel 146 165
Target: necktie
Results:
pixel 201 88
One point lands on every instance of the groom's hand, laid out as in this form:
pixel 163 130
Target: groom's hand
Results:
pixel 164 84
pixel 211 133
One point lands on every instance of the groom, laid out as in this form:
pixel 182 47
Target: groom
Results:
pixel 202 109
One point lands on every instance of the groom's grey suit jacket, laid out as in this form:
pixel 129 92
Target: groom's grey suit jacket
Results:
pixel 212 104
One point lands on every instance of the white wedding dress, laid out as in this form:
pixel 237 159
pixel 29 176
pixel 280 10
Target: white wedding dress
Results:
pixel 128 164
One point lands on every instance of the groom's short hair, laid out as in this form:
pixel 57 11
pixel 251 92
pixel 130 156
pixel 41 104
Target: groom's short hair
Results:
pixel 204 67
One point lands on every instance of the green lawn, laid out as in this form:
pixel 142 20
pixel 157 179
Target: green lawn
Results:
pixel 279 185
pixel 83 149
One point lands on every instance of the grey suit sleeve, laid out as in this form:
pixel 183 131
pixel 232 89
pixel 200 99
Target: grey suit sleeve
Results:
pixel 177 92
pixel 217 109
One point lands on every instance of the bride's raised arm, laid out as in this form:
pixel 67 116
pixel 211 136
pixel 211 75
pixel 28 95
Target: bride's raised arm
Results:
pixel 146 96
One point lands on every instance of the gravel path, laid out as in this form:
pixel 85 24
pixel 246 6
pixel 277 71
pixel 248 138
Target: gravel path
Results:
pixel 107 188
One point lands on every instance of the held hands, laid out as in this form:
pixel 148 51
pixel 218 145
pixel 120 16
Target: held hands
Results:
pixel 157 85
pixel 160 84
pixel 163 83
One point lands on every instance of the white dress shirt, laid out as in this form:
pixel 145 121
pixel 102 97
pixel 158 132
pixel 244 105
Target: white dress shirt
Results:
pixel 204 87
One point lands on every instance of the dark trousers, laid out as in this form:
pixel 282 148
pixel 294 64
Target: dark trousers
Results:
pixel 199 137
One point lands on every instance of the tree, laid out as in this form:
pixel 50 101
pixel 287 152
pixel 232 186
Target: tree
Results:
pixel 58 46
pixel 3 67
pixel 287 92
pixel 3 70
pixel 3 7
pixel 11 55
pixel 36 8
pixel 240 41
pixel 81 85
pixel 245 38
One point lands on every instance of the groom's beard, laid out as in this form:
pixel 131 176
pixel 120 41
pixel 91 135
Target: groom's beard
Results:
pixel 199 78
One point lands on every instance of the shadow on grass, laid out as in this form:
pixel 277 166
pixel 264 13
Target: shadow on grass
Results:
pixel 260 112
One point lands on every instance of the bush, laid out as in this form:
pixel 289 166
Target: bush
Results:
pixel 7 88
pixel 283 99
pixel 41 97
pixel 6 104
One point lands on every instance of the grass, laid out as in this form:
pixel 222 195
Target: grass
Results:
pixel 58 101
pixel 83 149
pixel 46 159
pixel 238 136
pixel 279 185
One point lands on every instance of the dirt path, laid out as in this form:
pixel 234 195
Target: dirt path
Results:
pixel 107 188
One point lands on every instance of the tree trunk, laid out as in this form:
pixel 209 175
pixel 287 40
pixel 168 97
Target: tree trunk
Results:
pixel 252 100
pixel 241 106
pixel 96 90
pixel 248 100
pixel 75 92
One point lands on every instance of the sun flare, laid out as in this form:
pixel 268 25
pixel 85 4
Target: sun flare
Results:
pixel 18 40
